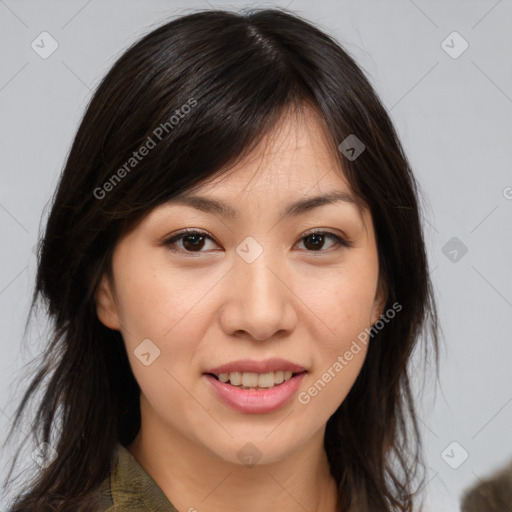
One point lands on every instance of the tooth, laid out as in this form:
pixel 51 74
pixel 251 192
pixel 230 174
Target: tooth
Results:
pixel 249 379
pixel 266 380
pixel 235 378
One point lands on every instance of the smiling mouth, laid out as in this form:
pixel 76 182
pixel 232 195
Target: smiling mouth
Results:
pixel 255 381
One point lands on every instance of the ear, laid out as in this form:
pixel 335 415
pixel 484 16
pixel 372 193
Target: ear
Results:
pixel 106 308
pixel 379 302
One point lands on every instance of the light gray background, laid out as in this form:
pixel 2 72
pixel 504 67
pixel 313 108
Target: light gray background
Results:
pixel 452 114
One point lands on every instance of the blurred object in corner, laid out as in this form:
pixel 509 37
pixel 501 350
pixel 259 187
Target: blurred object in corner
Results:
pixel 493 494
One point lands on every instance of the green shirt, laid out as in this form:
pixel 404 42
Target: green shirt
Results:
pixel 129 488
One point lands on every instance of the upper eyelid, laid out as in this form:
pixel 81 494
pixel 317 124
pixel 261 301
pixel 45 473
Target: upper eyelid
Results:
pixel 189 231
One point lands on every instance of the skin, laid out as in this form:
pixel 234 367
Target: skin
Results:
pixel 207 307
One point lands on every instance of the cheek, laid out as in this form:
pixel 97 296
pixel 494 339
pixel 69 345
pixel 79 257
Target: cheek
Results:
pixel 170 309
pixel 156 301
pixel 159 315
pixel 338 356
pixel 344 302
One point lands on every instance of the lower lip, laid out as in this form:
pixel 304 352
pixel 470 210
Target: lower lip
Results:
pixel 259 401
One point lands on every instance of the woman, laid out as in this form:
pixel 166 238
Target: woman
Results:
pixel 236 271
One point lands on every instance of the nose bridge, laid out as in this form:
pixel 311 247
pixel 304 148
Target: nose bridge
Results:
pixel 260 300
pixel 253 268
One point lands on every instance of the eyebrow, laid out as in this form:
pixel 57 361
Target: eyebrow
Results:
pixel 296 208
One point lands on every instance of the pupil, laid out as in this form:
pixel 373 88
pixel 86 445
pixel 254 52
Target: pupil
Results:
pixel 194 245
pixel 318 238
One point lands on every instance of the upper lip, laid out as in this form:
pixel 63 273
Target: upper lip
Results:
pixel 249 365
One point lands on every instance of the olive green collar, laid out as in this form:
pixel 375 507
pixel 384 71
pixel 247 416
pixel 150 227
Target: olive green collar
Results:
pixel 133 489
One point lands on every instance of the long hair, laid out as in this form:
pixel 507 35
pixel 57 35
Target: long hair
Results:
pixel 204 89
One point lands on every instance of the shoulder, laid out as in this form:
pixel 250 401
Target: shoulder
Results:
pixel 104 492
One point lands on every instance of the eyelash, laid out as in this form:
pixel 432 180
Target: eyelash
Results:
pixel 179 236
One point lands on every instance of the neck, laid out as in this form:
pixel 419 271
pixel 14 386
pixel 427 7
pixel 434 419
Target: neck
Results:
pixel 192 477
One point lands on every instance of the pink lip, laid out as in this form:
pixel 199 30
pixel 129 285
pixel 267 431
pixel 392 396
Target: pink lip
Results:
pixel 258 401
pixel 248 365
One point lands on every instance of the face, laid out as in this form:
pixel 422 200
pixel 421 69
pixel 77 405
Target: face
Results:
pixel 256 285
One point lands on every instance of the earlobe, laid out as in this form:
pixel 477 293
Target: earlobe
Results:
pixel 106 308
pixel 378 304
pixel 376 312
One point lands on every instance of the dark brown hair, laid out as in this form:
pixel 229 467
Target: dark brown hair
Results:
pixel 237 72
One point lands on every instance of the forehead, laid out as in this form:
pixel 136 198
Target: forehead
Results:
pixel 295 158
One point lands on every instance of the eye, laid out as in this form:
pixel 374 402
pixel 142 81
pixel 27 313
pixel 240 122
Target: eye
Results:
pixel 191 240
pixel 316 240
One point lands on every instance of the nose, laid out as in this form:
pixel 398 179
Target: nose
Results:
pixel 260 299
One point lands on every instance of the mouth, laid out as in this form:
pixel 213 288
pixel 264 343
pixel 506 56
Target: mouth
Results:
pixel 256 387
